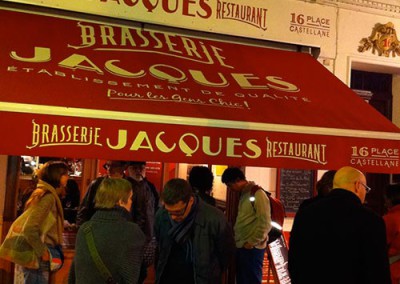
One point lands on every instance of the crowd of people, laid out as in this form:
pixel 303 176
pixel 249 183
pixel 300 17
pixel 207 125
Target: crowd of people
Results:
pixel 125 227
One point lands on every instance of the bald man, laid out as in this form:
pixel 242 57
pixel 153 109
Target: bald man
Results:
pixel 336 240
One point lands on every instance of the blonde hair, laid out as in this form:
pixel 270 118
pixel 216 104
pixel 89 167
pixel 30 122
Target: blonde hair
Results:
pixel 111 191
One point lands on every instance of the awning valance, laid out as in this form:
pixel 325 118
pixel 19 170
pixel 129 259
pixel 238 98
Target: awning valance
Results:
pixel 77 88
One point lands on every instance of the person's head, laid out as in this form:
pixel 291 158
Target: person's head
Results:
pixel 54 173
pixel 72 186
pixel 392 194
pixel 114 191
pixel 178 198
pixel 137 170
pixel 353 180
pixel 325 183
pixel 115 169
pixel 201 179
pixel 234 179
pixel 34 180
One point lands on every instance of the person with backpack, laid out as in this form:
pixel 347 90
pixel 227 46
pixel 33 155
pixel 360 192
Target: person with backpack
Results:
pixel 253 223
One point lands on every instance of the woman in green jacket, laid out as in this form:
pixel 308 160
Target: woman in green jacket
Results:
pixel 42 225
pixel 45 225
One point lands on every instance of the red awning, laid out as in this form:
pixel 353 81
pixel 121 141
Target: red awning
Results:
pixel 76 88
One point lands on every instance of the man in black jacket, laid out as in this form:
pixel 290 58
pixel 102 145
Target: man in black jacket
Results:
pixel 115 169
pixel 144 206
pixel 145 198
pixel 338 240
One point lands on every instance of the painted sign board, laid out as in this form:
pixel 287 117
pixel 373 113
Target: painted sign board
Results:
pixel 289 21
pixel 278 253
pixel 81 88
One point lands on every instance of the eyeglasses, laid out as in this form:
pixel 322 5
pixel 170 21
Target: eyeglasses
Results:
pixel 179 213
pixel 367 188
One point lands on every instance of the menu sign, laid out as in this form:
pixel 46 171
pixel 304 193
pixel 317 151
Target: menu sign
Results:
pixel 294 186
pixel 278 252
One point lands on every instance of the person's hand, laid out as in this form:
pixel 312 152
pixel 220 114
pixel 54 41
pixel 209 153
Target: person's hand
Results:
pixel 247 245
pixel 46 255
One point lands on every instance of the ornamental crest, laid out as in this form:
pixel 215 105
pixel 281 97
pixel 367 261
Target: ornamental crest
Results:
pixel 382 40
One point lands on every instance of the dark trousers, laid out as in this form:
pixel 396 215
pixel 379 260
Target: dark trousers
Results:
pixel 249 264
pixel 143 273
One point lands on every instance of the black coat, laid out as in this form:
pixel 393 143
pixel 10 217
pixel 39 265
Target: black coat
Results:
pixel 338 240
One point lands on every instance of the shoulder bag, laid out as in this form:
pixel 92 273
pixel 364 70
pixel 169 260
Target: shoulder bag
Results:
pixel 104 272
pixel 15 247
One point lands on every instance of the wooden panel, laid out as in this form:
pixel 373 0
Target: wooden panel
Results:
pixel 9 215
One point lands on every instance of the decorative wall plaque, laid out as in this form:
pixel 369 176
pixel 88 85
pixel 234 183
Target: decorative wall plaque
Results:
pixel 382 40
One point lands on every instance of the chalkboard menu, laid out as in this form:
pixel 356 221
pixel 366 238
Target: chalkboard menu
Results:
pixel 278 252
pixel 295 186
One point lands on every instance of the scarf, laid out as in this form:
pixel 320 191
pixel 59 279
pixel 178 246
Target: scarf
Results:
pixel 181 232
pixel 41 189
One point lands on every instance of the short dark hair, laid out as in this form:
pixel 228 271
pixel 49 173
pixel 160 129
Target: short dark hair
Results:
pixel 72 186
pixel 52 171
pixel 325 183
pixel 393 193
pixel 201 178
pixel 134 163
pixel 115 167
pixel 176 190
pixel 232 175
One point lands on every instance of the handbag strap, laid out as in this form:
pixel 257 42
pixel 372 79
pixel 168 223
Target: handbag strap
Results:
pixel 105 273
pixel 394 258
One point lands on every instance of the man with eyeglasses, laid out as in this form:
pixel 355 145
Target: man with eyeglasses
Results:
pixel 337 239
pixel 195 239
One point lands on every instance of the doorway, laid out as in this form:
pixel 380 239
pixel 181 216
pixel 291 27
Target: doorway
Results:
pixel 380 86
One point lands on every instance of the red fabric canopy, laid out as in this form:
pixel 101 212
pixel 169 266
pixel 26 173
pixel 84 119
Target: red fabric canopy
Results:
pixel 75 88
